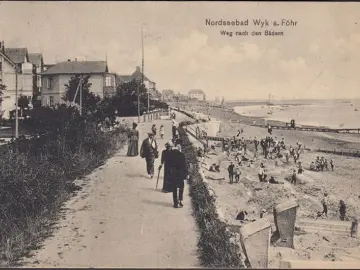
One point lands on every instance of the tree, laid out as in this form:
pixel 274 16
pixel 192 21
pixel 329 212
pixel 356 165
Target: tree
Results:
pixel 72 86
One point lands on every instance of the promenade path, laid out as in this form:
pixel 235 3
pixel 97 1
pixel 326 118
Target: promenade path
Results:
pixel 118 219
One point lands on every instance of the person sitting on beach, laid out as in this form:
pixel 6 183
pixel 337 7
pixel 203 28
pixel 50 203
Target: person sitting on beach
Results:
pixel 312 166
pixel 241 216
pixel 212 168
pixel 272 180
pixel 282 143
pixel 217 167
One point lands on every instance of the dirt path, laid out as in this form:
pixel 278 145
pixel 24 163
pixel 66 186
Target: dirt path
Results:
pixel 120 220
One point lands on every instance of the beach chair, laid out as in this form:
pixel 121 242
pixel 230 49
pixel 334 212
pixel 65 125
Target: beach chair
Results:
pixel 255 242
pixel 285 217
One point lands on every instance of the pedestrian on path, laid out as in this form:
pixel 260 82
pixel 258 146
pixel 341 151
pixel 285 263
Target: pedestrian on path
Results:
pixel 162 131
pixel 133 148
pixel 167 187
pixel 149 151
pixel 178 172
pixel 154 129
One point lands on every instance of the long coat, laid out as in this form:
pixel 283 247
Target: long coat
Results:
pixel 147 150
pixel 165 160
pixel 177 168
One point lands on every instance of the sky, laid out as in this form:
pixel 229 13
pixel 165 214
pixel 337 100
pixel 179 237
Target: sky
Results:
pixel 318 58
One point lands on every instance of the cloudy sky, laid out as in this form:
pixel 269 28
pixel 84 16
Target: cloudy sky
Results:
pixel 317 58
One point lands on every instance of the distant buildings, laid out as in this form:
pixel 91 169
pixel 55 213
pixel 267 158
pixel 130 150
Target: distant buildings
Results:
pixel 55 77
pixel 137 75
pixel 197 94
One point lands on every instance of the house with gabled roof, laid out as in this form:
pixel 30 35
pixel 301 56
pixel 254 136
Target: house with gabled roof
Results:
pixel 12 59
pixel 138 76
pixel 57 76
pixel 37 60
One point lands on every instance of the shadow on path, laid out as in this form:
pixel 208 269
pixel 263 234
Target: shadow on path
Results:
pixel 169 204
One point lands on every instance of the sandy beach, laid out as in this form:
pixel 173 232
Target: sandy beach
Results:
pixel 252 196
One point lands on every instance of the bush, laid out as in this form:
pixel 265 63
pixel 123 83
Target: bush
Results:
pixel 37 174
pixel 215 245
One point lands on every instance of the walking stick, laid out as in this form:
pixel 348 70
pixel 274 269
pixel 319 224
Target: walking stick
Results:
pixel 157 181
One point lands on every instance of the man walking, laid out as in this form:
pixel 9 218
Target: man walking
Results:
pixel 324 202
pixel 177 174
pixel 149 151
pixel 231 172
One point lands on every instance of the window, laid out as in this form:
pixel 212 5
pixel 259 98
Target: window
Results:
pixel 49 83
pixel 108 81
pixel 0 66
pixel 51 101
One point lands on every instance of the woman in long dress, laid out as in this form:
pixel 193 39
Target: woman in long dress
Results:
pixel 133 148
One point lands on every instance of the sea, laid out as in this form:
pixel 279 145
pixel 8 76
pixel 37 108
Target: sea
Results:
pixel 326 113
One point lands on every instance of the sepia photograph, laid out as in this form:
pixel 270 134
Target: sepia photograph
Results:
pixel 179 134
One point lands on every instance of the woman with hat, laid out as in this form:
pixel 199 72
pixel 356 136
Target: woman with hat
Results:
pixel 167 187
pixel 133 147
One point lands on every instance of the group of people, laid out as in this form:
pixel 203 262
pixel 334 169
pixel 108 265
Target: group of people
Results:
pixel 321 164
pixel 173 160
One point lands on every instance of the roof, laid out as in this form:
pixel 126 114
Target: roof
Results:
pixel 36 59
pixel 124 78
pixel 138 75
pixel 17 55
pixel 196 91
pixel 78 67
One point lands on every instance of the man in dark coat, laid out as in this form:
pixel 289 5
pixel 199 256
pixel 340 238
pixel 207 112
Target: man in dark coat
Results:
pixel 177 174
pixel 167 187
pixel 149 151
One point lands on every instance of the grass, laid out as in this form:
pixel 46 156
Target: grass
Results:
pixel 37 176
pixel 216 245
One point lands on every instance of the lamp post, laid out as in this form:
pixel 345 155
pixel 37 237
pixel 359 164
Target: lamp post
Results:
pixel 16 104
pixel 138 99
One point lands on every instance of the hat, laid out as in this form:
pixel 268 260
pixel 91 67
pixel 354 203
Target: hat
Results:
pixel 150 133
pixel 170 144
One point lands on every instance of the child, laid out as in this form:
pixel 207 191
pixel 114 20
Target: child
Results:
pixel 162 131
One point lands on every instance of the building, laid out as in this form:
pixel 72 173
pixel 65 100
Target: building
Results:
pixel 197 94
pixel 138 76
pixel 37 60
pixel 12 59
pixel 57 76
